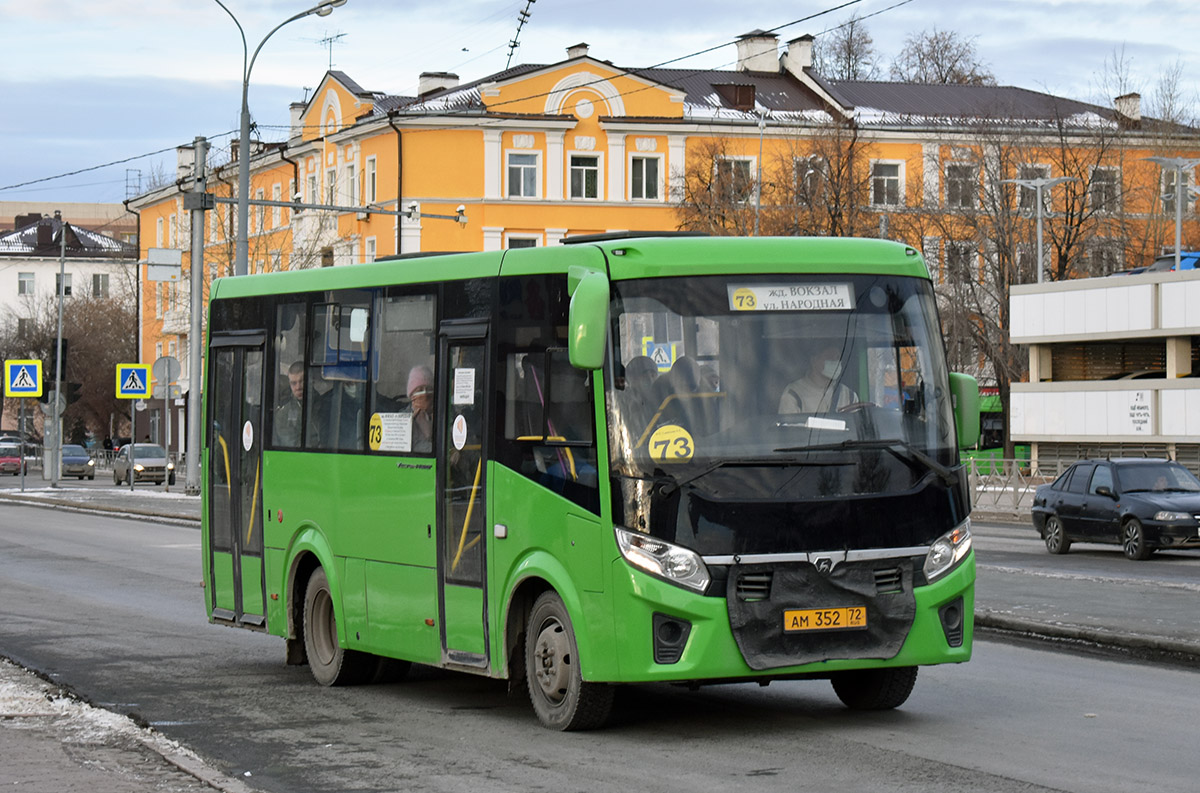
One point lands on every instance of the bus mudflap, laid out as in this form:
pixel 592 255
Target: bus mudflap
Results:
pixel 793 613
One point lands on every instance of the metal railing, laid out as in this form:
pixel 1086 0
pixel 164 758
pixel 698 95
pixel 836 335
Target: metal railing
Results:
pixel 1007 487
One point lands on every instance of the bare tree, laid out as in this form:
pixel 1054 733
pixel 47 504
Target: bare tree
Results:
pixel 820 183
pixel 940 57
pixel 847 52
pixel 717 191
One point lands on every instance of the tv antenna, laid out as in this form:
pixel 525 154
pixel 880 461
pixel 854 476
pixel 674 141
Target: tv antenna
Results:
pixel 328 42
pixel 522 18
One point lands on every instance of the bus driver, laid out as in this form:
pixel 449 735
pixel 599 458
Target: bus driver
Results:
pixel 819 391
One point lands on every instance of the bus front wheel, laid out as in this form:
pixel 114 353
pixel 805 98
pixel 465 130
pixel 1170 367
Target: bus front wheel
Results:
pixel 331 664
pixel 560 697
pixel 874 689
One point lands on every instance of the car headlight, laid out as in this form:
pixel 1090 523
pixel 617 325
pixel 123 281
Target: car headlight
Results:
pixel 672 563
pixel 1168 515
pixel 170 466
pixel 947 551
pixel 138 467
pixel 91 462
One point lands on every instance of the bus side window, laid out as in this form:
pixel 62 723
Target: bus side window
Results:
pixel 287 409
pixel 336 394
pixel 402 370
pixel 549 424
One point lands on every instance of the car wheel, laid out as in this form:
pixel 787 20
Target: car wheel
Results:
pixel 1133 540
pixel 116 479
pixel 560 697
pixel 1055 536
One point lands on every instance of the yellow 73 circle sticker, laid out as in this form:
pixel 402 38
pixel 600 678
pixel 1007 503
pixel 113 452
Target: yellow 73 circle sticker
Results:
pixel 671 444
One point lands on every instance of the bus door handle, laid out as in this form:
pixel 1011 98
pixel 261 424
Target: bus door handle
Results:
pixel 499 531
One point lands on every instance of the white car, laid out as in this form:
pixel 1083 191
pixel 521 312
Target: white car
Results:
pixel 150 464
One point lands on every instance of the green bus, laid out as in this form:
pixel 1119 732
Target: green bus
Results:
pixel 620 460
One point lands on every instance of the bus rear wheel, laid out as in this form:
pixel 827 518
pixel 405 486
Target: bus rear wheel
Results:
pixel 560 697
pixel 874 689
pixel 331 664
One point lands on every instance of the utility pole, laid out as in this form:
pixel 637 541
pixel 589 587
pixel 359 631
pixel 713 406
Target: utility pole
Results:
pixel 198 201
pixel 56 406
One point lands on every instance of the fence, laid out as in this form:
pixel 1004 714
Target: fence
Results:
pixel 1007 487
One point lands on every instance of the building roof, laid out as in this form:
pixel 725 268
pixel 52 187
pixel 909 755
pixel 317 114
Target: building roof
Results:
pixel 44 238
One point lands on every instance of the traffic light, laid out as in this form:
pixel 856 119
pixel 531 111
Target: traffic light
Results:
pixel 72 392
pixel 49 370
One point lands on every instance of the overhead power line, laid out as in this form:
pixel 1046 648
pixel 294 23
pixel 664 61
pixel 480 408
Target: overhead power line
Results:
pixel 522 18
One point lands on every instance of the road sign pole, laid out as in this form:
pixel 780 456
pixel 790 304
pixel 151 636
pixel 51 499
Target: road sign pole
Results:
pixel 21 455
pixel 132 440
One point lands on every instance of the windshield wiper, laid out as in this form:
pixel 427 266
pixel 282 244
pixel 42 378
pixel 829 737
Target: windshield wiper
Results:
pixel 901 449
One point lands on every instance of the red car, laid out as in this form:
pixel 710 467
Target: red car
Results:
pixel 10 459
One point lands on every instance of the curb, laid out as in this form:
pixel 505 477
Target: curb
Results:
pixel 103 509
pixel 1182 651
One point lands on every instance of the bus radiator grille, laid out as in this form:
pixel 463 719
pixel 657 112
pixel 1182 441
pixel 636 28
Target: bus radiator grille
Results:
pixel 754 586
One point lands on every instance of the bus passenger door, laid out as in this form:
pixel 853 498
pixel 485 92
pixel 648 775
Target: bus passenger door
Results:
pixel 462 514
pixel 237 593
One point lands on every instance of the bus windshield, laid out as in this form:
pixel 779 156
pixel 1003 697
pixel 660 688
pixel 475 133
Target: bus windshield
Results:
pixel 732 397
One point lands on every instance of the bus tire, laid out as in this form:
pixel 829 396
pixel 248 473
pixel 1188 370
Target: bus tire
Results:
pixel 331 664
pixel 874 689
pixel 560 697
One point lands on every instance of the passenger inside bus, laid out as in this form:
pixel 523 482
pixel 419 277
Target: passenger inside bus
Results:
pixel 820 389
pixel 420 395
pixel 290 412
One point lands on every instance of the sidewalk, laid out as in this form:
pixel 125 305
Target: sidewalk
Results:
pixel 53 743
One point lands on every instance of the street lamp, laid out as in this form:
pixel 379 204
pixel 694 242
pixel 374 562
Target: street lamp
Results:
pixel 762 126
pixel 1181 195
pixel 242 251
pixel 1038 185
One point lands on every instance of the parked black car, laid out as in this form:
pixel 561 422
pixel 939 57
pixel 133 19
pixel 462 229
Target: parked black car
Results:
pixel 1140 504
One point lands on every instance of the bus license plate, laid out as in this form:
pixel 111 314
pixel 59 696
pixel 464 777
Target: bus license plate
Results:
pixel 849 618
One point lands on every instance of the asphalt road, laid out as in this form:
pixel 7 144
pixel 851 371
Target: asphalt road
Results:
pixel 113 608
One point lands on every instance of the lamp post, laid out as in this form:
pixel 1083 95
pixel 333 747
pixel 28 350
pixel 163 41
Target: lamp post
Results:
pixel 242 250
pixel 762 127
pixel 1181 195
pixel 1038 185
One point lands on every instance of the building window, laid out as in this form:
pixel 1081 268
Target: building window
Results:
pixel 1027 196
pixel 24 283
pixel 158 233
pixel 885 184
pixel 171 349
pixel 157 350
pixel 960 262
pixel 1104 257
pixel 99 284
pixel 24 328
pixel 643 178
pixel 369 250
pixel 808 174
pixel 313 196
pixel 276 212
pixel 1104 193
pixel 1170 193
pixel 62 283
pixel 523 176
pixel 962 183
pixel 735 179
pixel 585 176
pixel 369 181
pixel 521 241
pixel 331 186
pixel 352 184
pixel 171 232
pixel 256 224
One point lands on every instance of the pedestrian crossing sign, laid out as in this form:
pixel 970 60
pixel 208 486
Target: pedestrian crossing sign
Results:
pixel 23 379
pixel 133 380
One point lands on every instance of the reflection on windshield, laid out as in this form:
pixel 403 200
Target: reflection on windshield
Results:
pixel 729 393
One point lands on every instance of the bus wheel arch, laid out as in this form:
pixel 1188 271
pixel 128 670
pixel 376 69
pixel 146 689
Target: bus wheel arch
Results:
pixel 331 663
pixel 301 570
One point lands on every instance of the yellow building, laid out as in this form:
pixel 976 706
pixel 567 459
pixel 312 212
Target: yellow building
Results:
pixel 537 153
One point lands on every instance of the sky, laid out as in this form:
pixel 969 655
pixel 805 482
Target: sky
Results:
pixel 121 83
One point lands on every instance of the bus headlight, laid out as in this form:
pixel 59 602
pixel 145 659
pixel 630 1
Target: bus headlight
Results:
pixel 672 563
pixel 947 551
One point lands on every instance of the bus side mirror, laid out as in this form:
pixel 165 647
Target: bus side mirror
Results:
pixel 965 392
pixel 588 318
